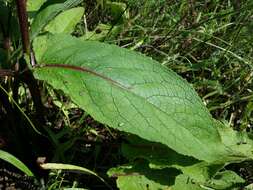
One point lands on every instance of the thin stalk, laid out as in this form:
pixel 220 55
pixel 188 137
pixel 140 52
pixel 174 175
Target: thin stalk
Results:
pixel 20 109
pixel 23 23
pixel 27 76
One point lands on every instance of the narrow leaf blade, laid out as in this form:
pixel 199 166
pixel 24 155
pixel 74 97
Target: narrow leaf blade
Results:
pixel 15 162
pixel 69 167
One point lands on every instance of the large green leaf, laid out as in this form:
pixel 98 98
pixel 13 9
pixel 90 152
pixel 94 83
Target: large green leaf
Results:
pixel 49 13
pixel 15 162
pixel 66 21
pixel 132 93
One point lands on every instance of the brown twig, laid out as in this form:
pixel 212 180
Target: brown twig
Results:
pixel 6 72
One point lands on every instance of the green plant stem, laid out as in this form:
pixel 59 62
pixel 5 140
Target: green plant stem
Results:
pixel 16 104
pixel 12 120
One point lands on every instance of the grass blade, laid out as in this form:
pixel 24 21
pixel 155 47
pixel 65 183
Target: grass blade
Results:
pixel 15 162
pixel 73 168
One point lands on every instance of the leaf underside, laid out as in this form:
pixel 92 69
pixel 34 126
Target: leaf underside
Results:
pixel 132 93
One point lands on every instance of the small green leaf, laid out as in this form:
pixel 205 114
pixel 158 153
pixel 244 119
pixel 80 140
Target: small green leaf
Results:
pixel 239 143
pixel 102 32
pixel 15 162
pixel 225 180
pixel 249 187
pixel 33 5
pixel 48 14
pixel 117 11
pixel 66 21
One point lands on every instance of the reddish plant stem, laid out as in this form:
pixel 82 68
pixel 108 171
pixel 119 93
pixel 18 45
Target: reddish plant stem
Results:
pixel 27 76
pixel 23 23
